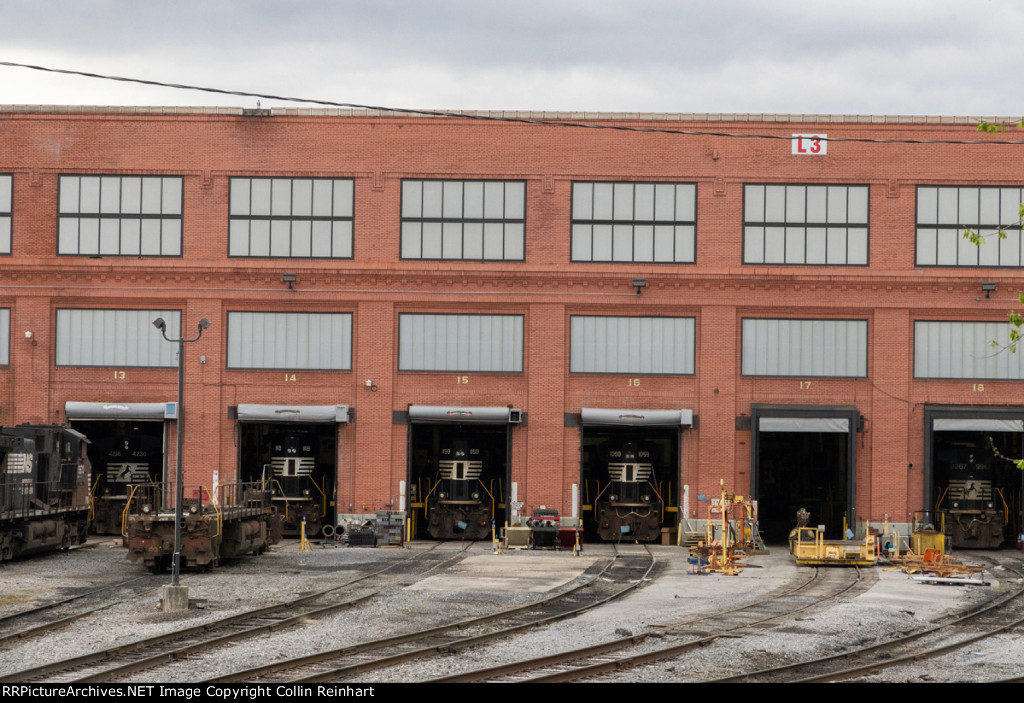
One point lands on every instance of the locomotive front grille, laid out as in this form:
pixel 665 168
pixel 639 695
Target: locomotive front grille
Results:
pixel 128 473
pixel 970 489
pixel 291 466
pixel 630 473
pixel 461 470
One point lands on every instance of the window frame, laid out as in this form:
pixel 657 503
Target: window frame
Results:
pixel 296 369
pixel 120 216
pixel 805 225
pixel 522 352
pixel 867 347
pixel 958 229
pixel 291 218
pixel 9 216
pixel 483 221
pixel 147 326
pixel 632 223
pixel 675 374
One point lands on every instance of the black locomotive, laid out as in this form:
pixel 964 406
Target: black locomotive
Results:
pixel 124 461
pixel 292 469
pixel 629 505
pixel 972 513
pixel 44 489
pixel 458 504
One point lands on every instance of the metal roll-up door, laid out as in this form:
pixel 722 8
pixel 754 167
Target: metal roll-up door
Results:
pixel 463 414
pixel 804 424
pixel 248 412
pixel 649 418
pixel 74 410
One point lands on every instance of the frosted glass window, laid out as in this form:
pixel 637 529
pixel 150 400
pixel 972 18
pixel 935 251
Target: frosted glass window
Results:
pixel 105 337
pixel 5 336
pixel 291 218
pixel 290 340
pixel 820 348
pixel 119 215
pixel 463 220
pixel 956 349
pixel 944 213
pixel 6 185
pixel 805 225
pixel 635 345
pixel 483 343
pixel 634 222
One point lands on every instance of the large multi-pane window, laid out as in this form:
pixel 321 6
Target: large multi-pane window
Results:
pixel 290 340
pixel 774 347
pixel 634 222
pixel 291 218
pixel 805 225
pixel 120 215
pixel 637 345
pixel 5 213
pixel 103 337
pixel 944 212
pixel 481 343
pixel 463 220
pixel 958 349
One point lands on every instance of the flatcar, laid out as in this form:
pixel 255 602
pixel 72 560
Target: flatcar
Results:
pixel 122 462
pixel 458 504
pixel 44 489
pixel 240 519
pixel 628 504
pixel 296 495
pixel 971 511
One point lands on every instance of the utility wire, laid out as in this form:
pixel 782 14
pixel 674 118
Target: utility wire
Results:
pixel 493 118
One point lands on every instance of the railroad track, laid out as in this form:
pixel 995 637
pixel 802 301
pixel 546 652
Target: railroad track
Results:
pixel 947 634
pixel 626 572
pixel 116 663
pixel 693 633
pixel 41 619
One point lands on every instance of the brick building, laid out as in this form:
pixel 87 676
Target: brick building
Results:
pixel 798 318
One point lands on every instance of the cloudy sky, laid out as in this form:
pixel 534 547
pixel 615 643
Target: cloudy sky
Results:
pixel 954 57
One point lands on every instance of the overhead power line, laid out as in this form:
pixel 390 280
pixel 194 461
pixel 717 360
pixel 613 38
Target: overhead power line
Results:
pixel 497 118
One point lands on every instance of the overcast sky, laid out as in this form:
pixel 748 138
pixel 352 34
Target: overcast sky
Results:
pixel 952 57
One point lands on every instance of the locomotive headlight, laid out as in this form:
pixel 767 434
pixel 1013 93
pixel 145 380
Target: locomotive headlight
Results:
pixel 989 506
pixel 476 496
pixel 956 505
pixel 146 509
pixel 193 509
pixel 613 497
pixel 646 499
pixel 442 494
pixel 305 492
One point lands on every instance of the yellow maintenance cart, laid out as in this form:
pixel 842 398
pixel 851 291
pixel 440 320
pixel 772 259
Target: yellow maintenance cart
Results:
pixel 809 546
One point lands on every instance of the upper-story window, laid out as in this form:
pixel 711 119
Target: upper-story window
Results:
pixel 5 213
pixel 120 215
pixel 648 222
pixel 463 220
pixel 805 225
pixel 291 218
pixel 944 212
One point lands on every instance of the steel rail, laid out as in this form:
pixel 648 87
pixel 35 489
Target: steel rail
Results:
pixel 339 662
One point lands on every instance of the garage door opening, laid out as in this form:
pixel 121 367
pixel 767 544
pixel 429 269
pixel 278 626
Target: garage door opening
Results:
pixel 299 461
pixel 123 454
pixel 975 488
pixel 459 470
pixel 629 480
pixel 804 462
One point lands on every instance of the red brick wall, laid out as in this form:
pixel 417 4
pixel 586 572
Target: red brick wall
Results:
pixel 547 287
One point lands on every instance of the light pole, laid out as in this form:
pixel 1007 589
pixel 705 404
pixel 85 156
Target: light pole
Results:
pixel 179 474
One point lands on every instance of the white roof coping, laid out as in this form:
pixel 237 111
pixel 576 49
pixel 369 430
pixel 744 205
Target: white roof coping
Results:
pixel 507 114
